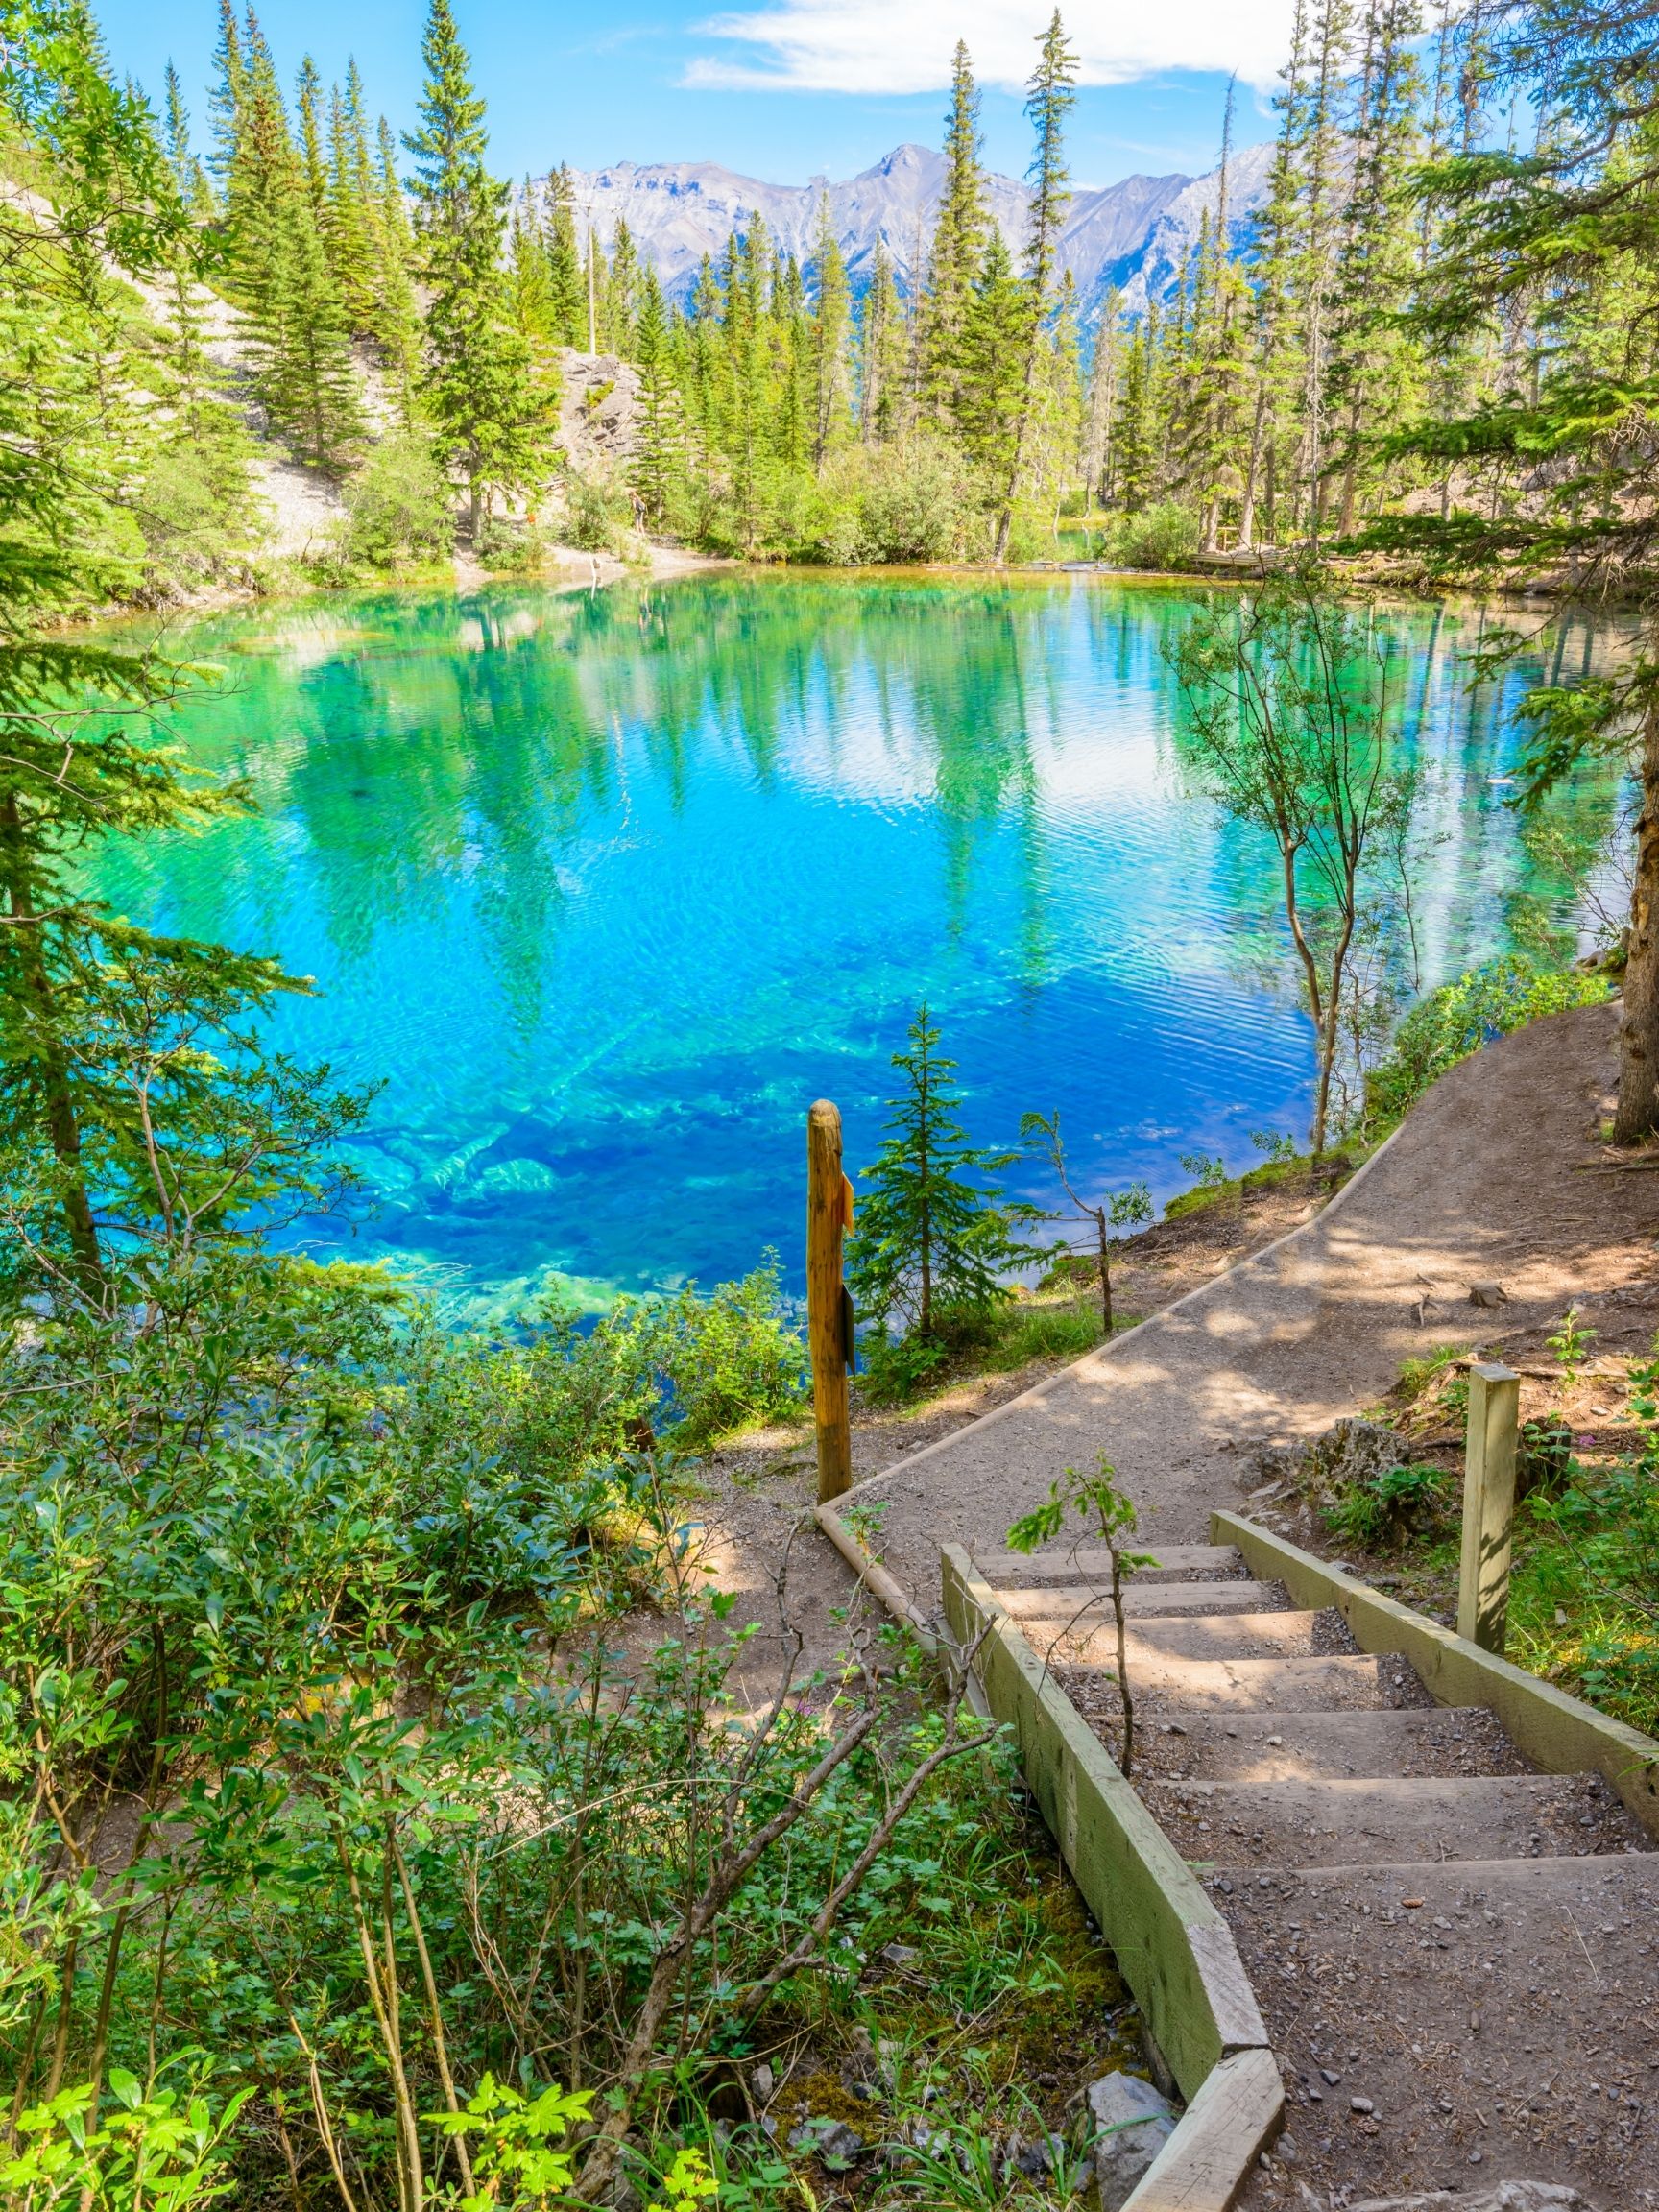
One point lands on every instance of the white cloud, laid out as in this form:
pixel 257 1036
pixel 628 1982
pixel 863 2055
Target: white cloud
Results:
pixel 906 45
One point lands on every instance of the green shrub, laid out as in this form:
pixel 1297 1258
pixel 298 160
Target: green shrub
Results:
pixel 398 507
pixel 1452 1022
pixel 509 547
pixel 680 1370
pixel 905 502
pixel 196 506
pixel 592 524
pixel 1163 536
pixel 1384 1507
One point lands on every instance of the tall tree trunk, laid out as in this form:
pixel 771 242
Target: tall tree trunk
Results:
pixel 62 1124
pixel 1637 1111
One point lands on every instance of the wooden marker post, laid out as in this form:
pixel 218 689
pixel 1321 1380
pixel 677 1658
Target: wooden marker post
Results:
pixel 1489 1506
pixel 828 1322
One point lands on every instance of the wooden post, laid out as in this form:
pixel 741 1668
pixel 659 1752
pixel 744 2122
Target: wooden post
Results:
pixel 829 1217
pixel 1489 1506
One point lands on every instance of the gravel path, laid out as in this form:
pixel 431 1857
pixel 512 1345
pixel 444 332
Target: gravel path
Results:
pixel 1496 1177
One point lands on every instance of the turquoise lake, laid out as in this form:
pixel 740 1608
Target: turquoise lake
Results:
pixel 607 888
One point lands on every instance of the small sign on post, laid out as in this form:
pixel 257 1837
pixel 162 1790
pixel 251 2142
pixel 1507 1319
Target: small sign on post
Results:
pixel 1488 1505
pixel 828 1309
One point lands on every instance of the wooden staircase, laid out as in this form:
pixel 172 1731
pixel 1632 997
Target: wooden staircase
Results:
pixel 1457 1956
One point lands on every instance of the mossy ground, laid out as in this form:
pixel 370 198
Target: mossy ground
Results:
pixel 989 2006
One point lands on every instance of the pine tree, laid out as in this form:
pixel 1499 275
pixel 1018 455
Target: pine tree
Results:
pixel 227 100
pixel 194 189
pixel 566 278
pixel 488 421
pixel 109 195
pixel 883 343
pixel 1097 460
pixel 993 371
pixel 934 1243
pixel 831 317
pixel 1376 369
pixel 958 249
pixel 349 212
pixel 396 325
pixel 1320 230
pixel 1050 99
pixel 298 329
pixel 622 284
pixel 659 448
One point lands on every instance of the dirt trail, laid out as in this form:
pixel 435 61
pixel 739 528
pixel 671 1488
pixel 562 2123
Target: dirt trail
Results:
pixel 1456 1995
pixel 1496 1177
pixel 1455 1956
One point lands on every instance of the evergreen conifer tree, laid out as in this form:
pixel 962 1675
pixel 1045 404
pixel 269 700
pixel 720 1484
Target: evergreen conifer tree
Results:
pixel 958 249
pixel 488 419
pixel 884 343
pixel 832 316
pixel 1049 98
pixel 934 1242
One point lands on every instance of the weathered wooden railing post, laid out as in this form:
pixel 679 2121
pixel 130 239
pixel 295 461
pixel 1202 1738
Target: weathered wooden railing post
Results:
pixel 1488 1505
pixel 829 1217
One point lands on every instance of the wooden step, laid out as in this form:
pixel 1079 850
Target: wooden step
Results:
pixel 1480 2005
pixel 1092 1563
pixel 1283 1635
pixel 1068 1602
pixel 1241 1747
pixel 1304 1823
pixel 1323 1684
pixel 1273 1635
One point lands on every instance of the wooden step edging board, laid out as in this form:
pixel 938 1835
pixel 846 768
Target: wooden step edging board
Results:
pixel 1171 1945
pixel 1560 1734
pixel 1176 1951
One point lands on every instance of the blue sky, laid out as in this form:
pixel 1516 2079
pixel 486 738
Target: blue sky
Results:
pixel 783 89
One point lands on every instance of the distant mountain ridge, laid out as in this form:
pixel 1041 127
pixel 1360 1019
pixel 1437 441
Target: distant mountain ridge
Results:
pixel 1133 236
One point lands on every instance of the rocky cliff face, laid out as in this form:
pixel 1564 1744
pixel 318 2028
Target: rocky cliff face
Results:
pixel 1131 235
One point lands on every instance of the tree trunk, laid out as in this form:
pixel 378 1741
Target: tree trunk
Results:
pixel 1247 511
pixel 62 1124
pixel 1637 1111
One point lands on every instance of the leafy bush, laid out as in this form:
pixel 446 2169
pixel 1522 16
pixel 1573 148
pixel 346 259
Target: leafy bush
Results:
pixel 196 506
pixel 1161 536
pixel 591 523
pixel 1452 1022
pixel 905 502
pixel 399 508
pixel 1383 1508
pixel 680 1370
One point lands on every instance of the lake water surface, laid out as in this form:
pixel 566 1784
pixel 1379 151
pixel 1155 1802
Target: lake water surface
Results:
pixel 607 888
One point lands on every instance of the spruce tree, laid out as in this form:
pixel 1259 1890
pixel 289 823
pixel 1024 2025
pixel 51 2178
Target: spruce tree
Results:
pixel 831 317
pixel 1375 367
pixel 565 277
pixel 993 366
pixel 1049 98
pixel 488 421
pixel 191 179
pixel 883 343
pixel 660 449
pixel 297 327
pixel 622 284
pixel 396 324
pixel 349 212
pixel 958 249
pixel 934 1242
